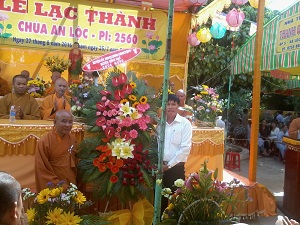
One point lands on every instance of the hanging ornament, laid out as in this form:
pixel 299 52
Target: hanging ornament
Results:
pixel 254 3
pixel 235 18
pixel 194 2
pixel 91 15
pixel 239 2
pixel 217 30
pixel 193 40
pixel 146 5
pixel 204 35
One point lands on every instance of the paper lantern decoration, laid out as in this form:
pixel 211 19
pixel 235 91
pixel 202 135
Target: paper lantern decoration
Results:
pixel 254 3
pixel 195 2
pixel 239 2
pixel 203 35
pixel 235 18
pixel 217 30
pixel 193 40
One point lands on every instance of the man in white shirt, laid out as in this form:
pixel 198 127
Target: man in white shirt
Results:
pixel 177 144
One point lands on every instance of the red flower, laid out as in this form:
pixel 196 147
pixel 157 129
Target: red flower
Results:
pixel 96 162
pixel 112 159
pixel 125 134
pixel 122 78
pixel 115 81
pixel 124 182
pixel 101 121
pixel 119 163
pixel 105 92
pixel 109 132
pixel 127 89
pixel 132 182
pixel 102 167
pixel 119 94
pixel 101 106
pixel 114 179
pixel 102 157
pixel 113 104
pixel 114 169
pixel 109 165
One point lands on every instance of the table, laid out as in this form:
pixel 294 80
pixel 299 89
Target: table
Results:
pixel 207 144
pixel 17 146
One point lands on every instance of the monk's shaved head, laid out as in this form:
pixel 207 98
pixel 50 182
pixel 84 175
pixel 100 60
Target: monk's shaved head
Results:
pixel 63 122
pixel 60 86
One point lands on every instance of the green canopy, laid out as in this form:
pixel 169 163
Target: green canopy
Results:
pixel 280 48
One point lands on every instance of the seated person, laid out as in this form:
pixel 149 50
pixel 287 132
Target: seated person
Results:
pixel 184 110
pixel 279 143
pixel 264 133
pixel 27 107
pixel 50 90
pixel 26 74
pixel 239 133
pixel 57 101
pixel 4 88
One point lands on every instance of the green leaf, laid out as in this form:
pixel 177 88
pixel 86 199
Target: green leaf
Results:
pixel 9 26
pixel 144 42
pixel 1 26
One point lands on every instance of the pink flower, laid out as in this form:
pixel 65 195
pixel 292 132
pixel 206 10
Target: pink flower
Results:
pixel 74 99
pixel 118 129
pixel 103 98
pixel 109 113
pixel 133 133
pixel 210 91
pixel 108 122
pixel 126 122
pixel 105 92
pixel 104 113
pixel 149 34
pixel 3 17
pixel 114 105
pixel 152 47
pixel 101 121
pixel 188 183
pixel 100 106
pixel 114 112
pixel 122 78
pixel 157 37
pixel 213 107
pixel 143 107
pixel 98 113
pixel 127 89
pixel 117 135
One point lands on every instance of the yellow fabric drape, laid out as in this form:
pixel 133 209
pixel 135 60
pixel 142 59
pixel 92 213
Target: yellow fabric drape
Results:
pixel 141 214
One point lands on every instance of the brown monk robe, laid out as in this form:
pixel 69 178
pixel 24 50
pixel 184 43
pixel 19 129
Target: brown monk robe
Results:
pixel 294 127
pixel 57 101
pixel 50 90
pixel 55 154
pixel 27 107
pixel 4 88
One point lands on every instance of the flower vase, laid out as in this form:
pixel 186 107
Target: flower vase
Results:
pixel 204 124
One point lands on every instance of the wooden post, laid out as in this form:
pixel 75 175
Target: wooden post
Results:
pixel 256 93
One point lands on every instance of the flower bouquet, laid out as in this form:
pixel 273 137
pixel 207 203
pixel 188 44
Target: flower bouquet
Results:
pixel 55 63
pixel 80 94
pixel 54 206
pixel 203 199
pixel 120 157
pixel 206 105
pixel 36 88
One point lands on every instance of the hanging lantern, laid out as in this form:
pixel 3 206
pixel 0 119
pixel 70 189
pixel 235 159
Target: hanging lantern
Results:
pixel 204 35
pixel 193 40
pixel 235 18
pixel 194 2
pixel 146 5
pixel 254 3
pixel 239 2
pixel 217 30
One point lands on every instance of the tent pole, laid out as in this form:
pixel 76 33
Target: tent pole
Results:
pixel 256 93
pixel 159 175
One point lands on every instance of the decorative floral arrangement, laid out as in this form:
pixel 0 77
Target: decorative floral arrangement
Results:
pixel 36 88
pixel 207 104
pixel 120 158
pixel 152 46
pixel 55 63
pixel 80 92
pixel 54 206
pixel 203 198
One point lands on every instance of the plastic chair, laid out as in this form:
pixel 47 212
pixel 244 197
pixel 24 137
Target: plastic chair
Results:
pixel 232 161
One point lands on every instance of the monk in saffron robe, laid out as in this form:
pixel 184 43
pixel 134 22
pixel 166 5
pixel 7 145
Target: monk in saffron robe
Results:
pixel 27 107
pixel 4 88
pixel 75 57
pixel 57 101
pixel 55 154
pixel 50 90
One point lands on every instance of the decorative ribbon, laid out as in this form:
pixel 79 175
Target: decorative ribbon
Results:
pixel 141 214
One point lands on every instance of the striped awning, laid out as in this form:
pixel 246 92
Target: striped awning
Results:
pixel 280 46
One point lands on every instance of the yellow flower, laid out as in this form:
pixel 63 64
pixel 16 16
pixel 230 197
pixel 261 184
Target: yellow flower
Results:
pixel 79 198
pixel 123 101
pixel 30 214
pixel 170 92
pixel 171 206
pixel 132 97
pixel 43 196
pixel 135 115
pixel 132 84
pixel 204 86
pixel 69 219
pixel 135 104
pixel 54 216
pixel 204 92
pixel 143 100
pixel 55 192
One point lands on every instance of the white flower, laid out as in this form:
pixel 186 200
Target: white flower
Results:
pixel 179 183
pixel 166 192
pixel 73 108
pixel 158 181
